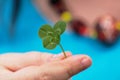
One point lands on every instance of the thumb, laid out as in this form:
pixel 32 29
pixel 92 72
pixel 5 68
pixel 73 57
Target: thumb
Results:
pixel 70 66
pixel 57 70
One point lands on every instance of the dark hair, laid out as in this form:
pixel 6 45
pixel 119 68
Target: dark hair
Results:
pixel 15 12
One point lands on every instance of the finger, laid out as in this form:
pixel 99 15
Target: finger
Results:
pixel 76 64
pixel 4 73
pixel 59 70
pixel 15 61
pixel 71 66
pixel 60 56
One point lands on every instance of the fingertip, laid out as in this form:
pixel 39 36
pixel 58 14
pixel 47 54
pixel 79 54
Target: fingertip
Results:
pixel 76 64
pixel 68 53
pixel 86 61
pixel 60 56
pixel 83 60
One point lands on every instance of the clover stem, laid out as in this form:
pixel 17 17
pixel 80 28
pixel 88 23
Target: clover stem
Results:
pixel 63 50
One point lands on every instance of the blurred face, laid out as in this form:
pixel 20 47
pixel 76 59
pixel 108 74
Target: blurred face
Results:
pixel 93 9
pixel 90 11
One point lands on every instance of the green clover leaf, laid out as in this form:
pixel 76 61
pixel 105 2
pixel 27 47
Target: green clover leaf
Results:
pixel 51 35
pixel 46 30
pixel 51 42
pixel 59 27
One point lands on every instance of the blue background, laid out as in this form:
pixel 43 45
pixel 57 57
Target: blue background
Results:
pixel 106 60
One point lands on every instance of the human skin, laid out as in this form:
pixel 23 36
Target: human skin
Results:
pixel 41 66
pixel 88 10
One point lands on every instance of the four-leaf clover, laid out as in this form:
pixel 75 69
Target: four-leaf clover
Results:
pixel 51 35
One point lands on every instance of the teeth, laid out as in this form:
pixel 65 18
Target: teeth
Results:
pixel 106 29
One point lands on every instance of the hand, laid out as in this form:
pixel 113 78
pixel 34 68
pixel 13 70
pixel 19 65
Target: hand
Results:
pixel 41 66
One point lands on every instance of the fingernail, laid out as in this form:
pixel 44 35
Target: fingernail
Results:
pixel 56 56
pixel 86 62
pixel 68 52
